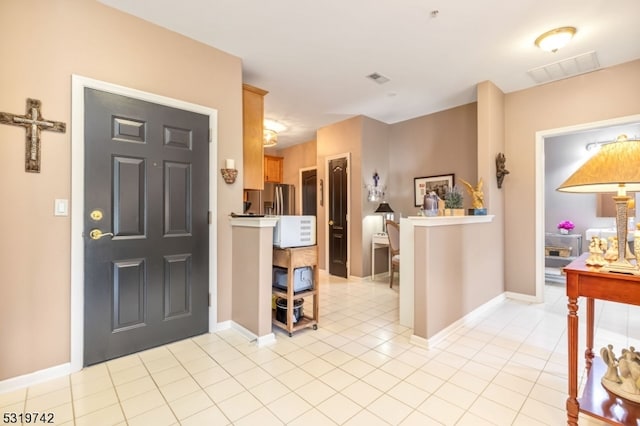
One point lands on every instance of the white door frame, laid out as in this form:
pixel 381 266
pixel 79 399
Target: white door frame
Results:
pixel 78 84
pixel 540 185
pixel 325 196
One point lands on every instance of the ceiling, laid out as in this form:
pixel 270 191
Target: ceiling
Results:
pixel 313 56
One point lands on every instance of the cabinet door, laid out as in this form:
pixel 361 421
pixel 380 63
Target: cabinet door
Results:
pixel 252 126
pixel 273 169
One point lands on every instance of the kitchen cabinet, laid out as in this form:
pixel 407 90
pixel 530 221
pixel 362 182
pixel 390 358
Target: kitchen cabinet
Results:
pixel 252 135
pixel 273 168
pixel 290 259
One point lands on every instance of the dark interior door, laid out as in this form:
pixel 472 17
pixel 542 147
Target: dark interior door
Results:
pixel 338 217
pixel 310 192
pixel 146 181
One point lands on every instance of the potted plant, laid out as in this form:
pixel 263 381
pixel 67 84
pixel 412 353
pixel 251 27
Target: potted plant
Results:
pixel 453 202
pixel 565 226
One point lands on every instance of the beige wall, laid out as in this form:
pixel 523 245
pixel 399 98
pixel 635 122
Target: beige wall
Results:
pixel 45 43
pixel 252 290
pixel 596 96
pixel 398 152
pixel 435 144
pixel 490 143
pixel 375 158
pixel 343 137
pixel 458 274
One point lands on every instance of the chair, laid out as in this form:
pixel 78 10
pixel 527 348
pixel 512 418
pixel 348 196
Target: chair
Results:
pixel 393 231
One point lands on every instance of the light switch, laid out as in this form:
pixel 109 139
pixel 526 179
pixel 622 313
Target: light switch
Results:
pixel 61 207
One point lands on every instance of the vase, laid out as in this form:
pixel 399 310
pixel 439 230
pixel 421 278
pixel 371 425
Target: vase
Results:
pixel 564 231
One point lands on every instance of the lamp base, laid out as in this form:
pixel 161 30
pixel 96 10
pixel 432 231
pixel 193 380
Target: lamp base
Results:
pixel 621 267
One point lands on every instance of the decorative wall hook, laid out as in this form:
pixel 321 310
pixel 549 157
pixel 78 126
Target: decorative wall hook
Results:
pixel 501 169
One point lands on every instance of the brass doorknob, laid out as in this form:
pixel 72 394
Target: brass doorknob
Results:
pixel 96 234
pixel 331 222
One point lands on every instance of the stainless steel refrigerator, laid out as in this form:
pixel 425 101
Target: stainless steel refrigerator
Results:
pixel 275 199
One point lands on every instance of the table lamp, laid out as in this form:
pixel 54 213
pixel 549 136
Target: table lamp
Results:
pixel 385 208
pixel 614 168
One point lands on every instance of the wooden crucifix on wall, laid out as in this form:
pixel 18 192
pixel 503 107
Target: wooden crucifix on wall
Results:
pixel 34 123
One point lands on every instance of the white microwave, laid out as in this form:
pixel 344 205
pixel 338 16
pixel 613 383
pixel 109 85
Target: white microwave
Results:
pixel 295 231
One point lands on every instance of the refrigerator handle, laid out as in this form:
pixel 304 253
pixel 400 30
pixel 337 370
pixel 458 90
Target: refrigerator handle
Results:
pixel 276 200
pixel 280 201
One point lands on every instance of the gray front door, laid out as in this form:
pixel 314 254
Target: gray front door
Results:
pixel 146 182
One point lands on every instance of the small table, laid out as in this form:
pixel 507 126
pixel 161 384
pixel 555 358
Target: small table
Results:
pixel 588 281
pixel 379 240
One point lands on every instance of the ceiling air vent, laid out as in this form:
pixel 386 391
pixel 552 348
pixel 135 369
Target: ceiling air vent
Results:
pixel 570 67
pixel 378 78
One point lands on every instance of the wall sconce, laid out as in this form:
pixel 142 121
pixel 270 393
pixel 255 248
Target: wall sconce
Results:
pixel 229 173
pixel 375 192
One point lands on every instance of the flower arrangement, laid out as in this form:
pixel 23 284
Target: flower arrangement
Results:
pixel 565 226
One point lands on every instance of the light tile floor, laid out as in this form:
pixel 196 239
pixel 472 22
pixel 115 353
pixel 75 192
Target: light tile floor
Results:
pixel 507 366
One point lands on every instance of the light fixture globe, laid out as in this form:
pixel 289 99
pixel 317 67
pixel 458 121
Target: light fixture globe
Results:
pixel 555 39
pixel 270 138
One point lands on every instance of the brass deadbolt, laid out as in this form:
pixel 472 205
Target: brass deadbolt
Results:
pixel 96 215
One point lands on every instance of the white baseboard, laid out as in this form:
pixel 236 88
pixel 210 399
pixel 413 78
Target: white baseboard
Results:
pixel 523 297
pixel 419 341
pixel 34 378
pixel 260 340
pixel 224 325
pixel 379 276
pixel 447 331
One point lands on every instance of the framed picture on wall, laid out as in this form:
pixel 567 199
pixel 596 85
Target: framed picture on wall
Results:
pixel 424 185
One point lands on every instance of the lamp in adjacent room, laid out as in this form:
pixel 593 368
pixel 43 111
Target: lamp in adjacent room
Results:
pixel 614 168
pixel 387 213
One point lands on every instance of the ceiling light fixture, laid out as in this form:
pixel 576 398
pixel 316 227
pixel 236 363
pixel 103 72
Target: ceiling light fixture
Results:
pixel 270 138
pixel 553 40
pixel 270 132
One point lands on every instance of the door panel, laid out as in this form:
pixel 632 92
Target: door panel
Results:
pixel 309 192
pixel 129 285
pixel 129 187
pixel 338 226
pixel 177 199
pixel 177 285
pixel 147 174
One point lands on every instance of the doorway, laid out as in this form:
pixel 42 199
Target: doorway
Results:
pixel 338 215
pixel 551 136
pixel 78 219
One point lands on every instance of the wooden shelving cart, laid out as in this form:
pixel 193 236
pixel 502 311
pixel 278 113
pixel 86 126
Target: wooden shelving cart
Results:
pixel 292 258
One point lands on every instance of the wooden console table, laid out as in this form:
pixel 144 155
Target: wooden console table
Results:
pixel 596 401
